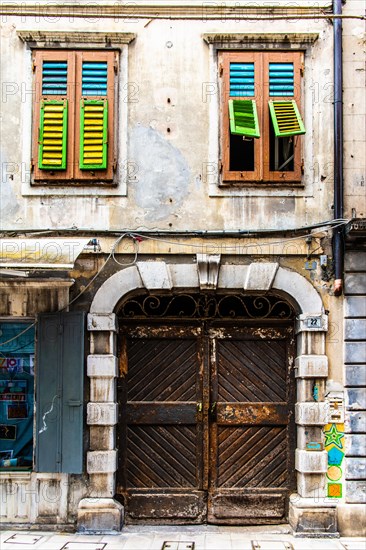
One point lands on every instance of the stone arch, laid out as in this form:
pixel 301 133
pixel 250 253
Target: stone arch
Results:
pixel 311 368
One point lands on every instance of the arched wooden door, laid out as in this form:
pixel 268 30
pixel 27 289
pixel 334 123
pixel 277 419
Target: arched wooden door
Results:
pixel 206 422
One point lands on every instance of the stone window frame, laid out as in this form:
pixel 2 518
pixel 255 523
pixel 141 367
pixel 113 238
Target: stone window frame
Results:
pixel 88 41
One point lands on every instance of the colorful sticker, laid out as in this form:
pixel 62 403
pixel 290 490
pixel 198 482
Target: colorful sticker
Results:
pixel 13 390
pixel 334 445
pixel 17 410
pixel 334 473
pixel 335 490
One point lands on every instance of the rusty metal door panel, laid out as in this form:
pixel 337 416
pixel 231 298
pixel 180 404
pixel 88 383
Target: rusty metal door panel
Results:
pixel 251 427
pixel 161 468
pixel 206 424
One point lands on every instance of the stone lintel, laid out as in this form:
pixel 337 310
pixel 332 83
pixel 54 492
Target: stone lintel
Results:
pixel 311 366
pixel 102 366
pixel 102 321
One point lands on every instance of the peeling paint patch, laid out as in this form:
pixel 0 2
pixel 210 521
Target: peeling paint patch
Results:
pixel 162 173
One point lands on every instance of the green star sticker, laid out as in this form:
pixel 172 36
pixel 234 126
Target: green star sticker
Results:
pixel 333 436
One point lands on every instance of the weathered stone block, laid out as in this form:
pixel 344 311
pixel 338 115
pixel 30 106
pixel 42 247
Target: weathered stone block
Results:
pixel 184 275
pixel 102 366
pixel 100 515
pixel 305 389
pixel 309 519
pixel 312 322
pixel 351 520
pixel 101 462
pixel 355 422
pixel 102 322
pixel 355 306
pixel 356 492
pixel 355 329
pixel 354 352
pixel 102 390
pixel 102 485
pixel 311 366
pixel 260 276
pixel 306 434
pixel 311 343
pixel 102 438
pixel 355 375
pixel 355 444
pixel 356 399
pixel 311 462
pixel 356 468
pixel 311 486
pixel 232 276
pixel 155 275
pixel 355 261
pixel 355 283
pixel 102 414
pixel 312 414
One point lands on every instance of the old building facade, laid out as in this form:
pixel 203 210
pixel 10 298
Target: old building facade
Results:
pixel 183 265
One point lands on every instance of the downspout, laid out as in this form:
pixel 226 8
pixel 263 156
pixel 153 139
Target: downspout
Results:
pixel 338 234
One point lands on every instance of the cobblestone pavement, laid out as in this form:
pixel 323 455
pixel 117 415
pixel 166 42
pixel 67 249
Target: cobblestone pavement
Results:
pixel 176 538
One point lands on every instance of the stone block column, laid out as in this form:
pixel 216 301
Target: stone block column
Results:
pixel 100 513
pixel 309 515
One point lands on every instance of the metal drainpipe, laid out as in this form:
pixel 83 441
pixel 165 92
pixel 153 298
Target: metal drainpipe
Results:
pixel 338 235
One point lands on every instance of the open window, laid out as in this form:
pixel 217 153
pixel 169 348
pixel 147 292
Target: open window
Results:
pixel 261 116
pixel 73 118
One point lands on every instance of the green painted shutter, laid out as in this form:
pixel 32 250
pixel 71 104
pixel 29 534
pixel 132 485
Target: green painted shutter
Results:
pixel 93 134
pixel 286 118
pixel 244 118
pixel 53 135
pixel 60 392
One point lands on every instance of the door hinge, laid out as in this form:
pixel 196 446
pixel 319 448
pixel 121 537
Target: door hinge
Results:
pixel 34 65
pixel 115 165
pixel 220 166
pixel 302 69
pixel 302 166
pixel 221 69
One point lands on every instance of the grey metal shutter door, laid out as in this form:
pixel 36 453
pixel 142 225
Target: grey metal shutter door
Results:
pixel 60 392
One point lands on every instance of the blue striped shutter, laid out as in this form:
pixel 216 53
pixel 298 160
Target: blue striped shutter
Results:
pixel 281 79
pixel 94 78
pixel 242 80
pixel 60 392
pixel 54 78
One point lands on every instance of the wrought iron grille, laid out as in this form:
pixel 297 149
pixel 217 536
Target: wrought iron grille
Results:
pixel 206 306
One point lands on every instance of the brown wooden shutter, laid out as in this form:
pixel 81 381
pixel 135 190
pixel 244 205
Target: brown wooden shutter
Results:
pixel 51 87
pixel 296 58
pixel 95 83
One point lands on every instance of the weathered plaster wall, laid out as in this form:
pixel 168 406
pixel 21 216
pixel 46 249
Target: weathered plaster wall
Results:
pixel 354 105
pixel 170 135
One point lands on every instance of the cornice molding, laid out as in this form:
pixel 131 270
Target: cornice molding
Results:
pixel 247 40
pixel 64 39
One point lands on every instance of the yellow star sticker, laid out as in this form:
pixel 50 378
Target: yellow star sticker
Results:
pixel 333 436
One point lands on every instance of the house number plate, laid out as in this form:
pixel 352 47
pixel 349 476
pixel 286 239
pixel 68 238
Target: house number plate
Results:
pixel 314 322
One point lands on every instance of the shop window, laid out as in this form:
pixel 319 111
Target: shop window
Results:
pixel 261 124
pixel 17 341
pixel 73 116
